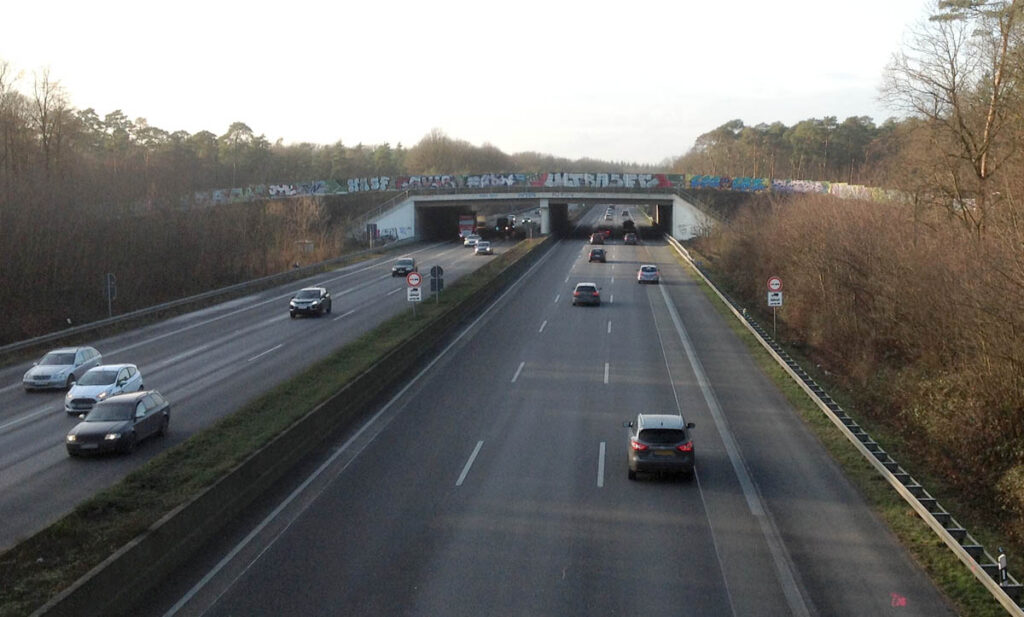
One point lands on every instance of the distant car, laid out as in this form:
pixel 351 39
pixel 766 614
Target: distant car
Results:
pixel 586 293
pixel 403 266
pixel 659 443
pixel 310 301
pixel 597 238
pixel 597 255
pixel 61 368
pixel 608 217
pixel 625 214
pixel 606 232
pixel 648 274
pixel 100 383
pixel 483 247
pixel 629 238
pixel 120 423
pixel 470 240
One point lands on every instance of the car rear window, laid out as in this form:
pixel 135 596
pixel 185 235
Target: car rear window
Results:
pixel 662 435
pixel 648 269
pixel 586 288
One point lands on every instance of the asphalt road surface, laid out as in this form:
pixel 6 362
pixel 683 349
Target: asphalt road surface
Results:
pixel 207 363
pixel 495 483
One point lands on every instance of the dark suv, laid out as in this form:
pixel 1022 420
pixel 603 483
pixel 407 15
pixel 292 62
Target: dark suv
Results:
pixel 597 255
pixel 659 443
pixel 310 301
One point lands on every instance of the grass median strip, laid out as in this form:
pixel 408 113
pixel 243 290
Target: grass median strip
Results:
pixel 51 560
pixel 949 575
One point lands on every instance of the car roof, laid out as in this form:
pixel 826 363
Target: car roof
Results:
pixel 128 396
pixel 68 349
pixel 585 283
pixel 111 367
pixel 316 288
pixel 656 420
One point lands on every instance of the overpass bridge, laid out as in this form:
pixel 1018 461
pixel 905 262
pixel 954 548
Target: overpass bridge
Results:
pixel 432 214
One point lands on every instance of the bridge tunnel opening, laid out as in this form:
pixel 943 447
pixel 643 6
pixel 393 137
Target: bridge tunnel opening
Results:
pixel 662 215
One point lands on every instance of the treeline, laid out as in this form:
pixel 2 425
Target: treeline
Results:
pixel 918 306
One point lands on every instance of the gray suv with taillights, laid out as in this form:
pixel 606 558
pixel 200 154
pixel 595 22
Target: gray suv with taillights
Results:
pixel 659 443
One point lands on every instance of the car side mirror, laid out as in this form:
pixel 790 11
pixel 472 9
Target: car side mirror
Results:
pixel 690 425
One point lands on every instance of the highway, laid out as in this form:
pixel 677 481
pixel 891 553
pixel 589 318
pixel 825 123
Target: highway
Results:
pixel 495 483
pixel 208 363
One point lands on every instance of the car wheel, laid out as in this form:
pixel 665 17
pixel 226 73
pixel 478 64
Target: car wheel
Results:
pixel 72 454
pixel 131 443
pixel 631 474
pixel 292 315
pixel 142 387
pixel 71 382
pixel 329 307
pixel 163 426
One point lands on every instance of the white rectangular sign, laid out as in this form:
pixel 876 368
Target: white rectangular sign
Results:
pixel 774 298
pixel 414 294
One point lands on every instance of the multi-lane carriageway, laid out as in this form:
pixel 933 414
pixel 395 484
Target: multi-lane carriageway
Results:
pixel 495 483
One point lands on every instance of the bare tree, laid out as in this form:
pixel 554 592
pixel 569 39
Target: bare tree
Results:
pixel 962 74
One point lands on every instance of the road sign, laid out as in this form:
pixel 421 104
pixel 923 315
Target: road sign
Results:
pixel 774 298
pixel 414 294
pixel 774 283
pixel 436 272
pixel 414 279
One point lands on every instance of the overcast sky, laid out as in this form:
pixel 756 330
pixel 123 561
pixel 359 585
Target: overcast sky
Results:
pixel 633 81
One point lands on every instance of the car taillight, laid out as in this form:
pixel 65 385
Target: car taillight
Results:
pixel 576 294
pixel 686 447
pixel 597 293
pixel 636 445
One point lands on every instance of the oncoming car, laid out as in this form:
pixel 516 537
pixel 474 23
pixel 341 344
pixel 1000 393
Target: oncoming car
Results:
pixel 403 266
pixel 659 443
pixel 483 247
pixel 100 383
pixel 120 423
pixel 471 240
pixel 310 301
pixel 61 368
pixel 648 274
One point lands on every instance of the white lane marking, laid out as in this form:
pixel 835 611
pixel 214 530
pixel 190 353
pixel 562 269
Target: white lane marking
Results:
pixel 612 281
pixel 780 558
pixel 373 423
pixel 343 315
pixel 611 298
pixel 600 467
pixel 257 356
pixel 606 372
pixel 518 370
pixel 557 296
pixel 27 417
pixel 542 326
pixel 469 463
pixel 609 326
pixel 567 278
pixel 394 291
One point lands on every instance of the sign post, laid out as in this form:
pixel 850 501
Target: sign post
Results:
pixel 774 298
pixel 414 294
pixel 437 282
pixel 111 293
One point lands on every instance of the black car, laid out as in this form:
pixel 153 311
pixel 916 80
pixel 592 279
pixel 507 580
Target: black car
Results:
pixel 119 423
pixel 403 266
pixel 659 443
pixel 597 238
pixel 597 255
pixel 310 301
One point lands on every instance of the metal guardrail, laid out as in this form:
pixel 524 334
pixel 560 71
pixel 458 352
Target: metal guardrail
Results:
pixel 967 549
pixel 143 312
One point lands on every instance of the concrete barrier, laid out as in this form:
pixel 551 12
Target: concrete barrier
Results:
pixel 125 577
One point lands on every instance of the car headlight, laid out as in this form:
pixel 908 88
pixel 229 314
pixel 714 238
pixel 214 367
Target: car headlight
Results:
pixel 72 438
pixel 68 397
pixel 101 396
pixel 112 436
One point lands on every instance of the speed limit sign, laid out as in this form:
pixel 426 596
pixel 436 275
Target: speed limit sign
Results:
pixel 774 283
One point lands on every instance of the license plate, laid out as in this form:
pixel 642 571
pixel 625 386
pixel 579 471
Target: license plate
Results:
pixel 664 453
pixel 89 446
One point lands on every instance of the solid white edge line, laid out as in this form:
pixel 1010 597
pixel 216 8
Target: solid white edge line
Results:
pixel 272 349
pixel 326 464
pixel 600 467
pixel 518 370
pixel 394 291
pixel 542 326
pixel 27 417
pixel 469 463
pixel 780 557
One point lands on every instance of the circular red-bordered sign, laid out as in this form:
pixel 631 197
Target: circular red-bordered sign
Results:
pixel 413 278
pixel 774 283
